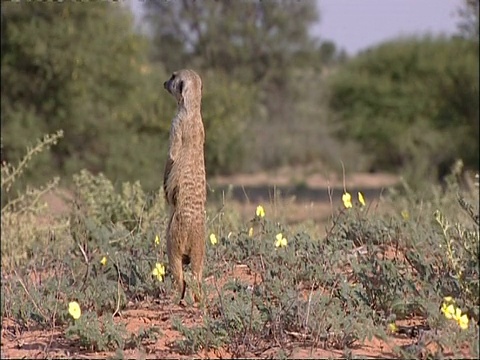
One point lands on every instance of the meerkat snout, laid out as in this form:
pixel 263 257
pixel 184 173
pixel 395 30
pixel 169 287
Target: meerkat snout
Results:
pixel 175 85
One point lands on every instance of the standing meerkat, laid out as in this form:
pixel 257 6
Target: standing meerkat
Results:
pixel 184 180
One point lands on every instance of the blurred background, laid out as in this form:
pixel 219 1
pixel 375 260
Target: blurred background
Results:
pixel 378 86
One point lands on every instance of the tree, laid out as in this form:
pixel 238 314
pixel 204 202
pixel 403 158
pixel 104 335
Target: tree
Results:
pixel 412 103
pixel 251 40
pixel 468 24
pixel 82 69
pixel 261 47
pixel 329 54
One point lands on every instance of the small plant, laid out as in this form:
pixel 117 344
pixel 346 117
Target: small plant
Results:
pixel 22 208
pixel 462 251
pixel 94 333
pixel 144 337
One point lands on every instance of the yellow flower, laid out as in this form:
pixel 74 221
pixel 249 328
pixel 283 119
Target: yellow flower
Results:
pixel 448 299
pixel 250 232
pixel 455 313
pixel 451 312
pixel 392 327
pixel 157 240
pixel 405 215
pixel 158 271
pixel 103 261
pixel 458 314
pixel 463 322
pixel 213 239
pixel 361 199
pixel 347 200
pixel 260 212
pixel 74 310
pixel 281 241
pixel 448 311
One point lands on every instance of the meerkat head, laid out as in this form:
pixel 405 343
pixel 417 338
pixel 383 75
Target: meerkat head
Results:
pixel 186 86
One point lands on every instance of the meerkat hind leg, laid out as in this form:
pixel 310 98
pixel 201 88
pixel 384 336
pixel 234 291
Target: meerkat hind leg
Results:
pixel 197 270
pixel 175 261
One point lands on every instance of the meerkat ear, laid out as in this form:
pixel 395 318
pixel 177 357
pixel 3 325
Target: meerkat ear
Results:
pixel 180 87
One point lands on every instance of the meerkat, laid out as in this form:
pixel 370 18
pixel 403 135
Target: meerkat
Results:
pixel 184 181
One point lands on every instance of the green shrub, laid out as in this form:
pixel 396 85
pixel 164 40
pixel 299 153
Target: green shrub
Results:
pixel 412 104
pixel 369 272
pixel 103 260
pixel 22 205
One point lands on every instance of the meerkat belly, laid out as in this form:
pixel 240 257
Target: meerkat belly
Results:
pixel 192 186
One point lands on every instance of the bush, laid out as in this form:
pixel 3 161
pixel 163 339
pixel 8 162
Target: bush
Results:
pixel 103 259
pixel 227 111
pixel 412 103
